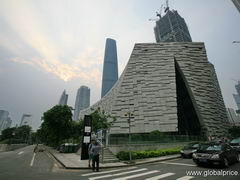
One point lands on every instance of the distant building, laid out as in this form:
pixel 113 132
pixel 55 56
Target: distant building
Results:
pixel 237 4
pixel 82 101
pixel 237 96
pixel 232 116
pixel 63 99
pixel 110 66
pixel 171 28
pixel 5 120
pixel 26 120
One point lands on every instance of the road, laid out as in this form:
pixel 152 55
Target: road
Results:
pixel 23 164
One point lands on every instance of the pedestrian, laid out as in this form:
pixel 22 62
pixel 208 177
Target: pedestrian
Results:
pixel 95 157
pixel 90 153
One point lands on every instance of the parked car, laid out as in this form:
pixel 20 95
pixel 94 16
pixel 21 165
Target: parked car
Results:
pixel 215 154
pixel 189 149
pixel 235 143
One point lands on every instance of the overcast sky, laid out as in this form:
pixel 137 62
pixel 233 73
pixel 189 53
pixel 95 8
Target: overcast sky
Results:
pixel 47 46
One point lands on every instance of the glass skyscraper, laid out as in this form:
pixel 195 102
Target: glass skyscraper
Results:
pixel 171 28
pixel 82 101
pixel 63 99
pixel 110 66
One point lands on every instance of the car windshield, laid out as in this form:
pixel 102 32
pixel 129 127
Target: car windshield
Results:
pixel 191 146
pixel 210 147
pixel 235 141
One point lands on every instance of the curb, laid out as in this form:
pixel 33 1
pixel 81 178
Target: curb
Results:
pixel 125 165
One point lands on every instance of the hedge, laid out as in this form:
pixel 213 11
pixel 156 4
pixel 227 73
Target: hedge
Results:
pixel 124 155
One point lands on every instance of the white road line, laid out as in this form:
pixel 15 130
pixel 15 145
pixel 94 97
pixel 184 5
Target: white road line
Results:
pixel 118 174
pixel 185 178
pixel 160 176
pixel 20 152
pixel 182 164
pixel 105 172
pixel 31 164
pixel 136 175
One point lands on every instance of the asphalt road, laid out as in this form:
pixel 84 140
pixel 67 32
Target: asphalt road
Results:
pixel 23 164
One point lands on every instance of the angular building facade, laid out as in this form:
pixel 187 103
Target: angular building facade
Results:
pixel 237 4
pixel 170 87
pixel 82 101
pixel 171 28
pixel 110 66
pixel 63 99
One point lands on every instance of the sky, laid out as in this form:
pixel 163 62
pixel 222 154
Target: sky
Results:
pixel 50 45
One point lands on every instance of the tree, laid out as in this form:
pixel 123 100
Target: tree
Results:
pixel 23 132
pixel 8 133
pixel 56 126
pixel 101 120
pixel 234 131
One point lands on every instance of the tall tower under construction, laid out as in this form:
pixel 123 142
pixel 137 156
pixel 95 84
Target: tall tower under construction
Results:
pixel 171 27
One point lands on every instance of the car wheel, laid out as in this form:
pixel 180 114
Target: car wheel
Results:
pixel 238 158
pixel 226 163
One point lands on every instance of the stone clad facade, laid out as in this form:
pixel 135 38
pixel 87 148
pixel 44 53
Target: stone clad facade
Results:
pixel 170 87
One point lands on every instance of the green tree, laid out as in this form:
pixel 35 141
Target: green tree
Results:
pixel 234 131
pixel 77 130
pixel 101 120
pixel 56 126
pixel 8 133
pixel 23 133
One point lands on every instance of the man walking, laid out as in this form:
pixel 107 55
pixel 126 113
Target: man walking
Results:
pixel 95 156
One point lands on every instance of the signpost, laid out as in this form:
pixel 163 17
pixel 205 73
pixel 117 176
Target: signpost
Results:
pixel 86 136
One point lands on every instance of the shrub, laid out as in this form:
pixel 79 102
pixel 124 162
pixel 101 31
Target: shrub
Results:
pixel 124 155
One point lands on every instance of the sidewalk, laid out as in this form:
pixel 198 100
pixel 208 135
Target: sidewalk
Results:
pixel 73 161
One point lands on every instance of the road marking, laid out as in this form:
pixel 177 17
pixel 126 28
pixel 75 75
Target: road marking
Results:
pixel 160 176
pixel 119 174
pixel 20 152
pixel 34 154
pixel 185 178
pixel 137 175
pixel 105 172
pixel 182 164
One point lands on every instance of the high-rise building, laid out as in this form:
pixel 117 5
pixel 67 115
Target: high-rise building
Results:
pixel 6 123
pixel 237 4
pixel 237 96
pixel 82 101
pixel 3 118
pixel 26 120
pixel 110 66
pixel 232 116
pixel 171 28
pixel 63 99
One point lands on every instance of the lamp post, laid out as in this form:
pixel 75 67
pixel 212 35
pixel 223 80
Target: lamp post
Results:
pixel 236 42
pixel 129 115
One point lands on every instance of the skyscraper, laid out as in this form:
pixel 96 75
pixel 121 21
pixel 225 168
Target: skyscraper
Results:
pixel 237 4
pixel 63 99
pixel 82 101
pixel 110 66
pixel 171 28
pixel 3 118
pixel 237 96
pixel 26 120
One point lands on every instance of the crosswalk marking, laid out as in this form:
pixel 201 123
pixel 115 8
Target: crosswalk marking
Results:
pixel 136 175
pixel 182 164
pixel 185 178
pixel 105 172
pixel 160 176
pixel 118 174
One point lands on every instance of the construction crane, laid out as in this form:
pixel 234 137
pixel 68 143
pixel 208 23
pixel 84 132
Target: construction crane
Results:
pixel 158 14
pixel 167 6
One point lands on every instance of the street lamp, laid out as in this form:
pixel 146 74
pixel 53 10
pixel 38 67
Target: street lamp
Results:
pixel 129 115
pixel 236 42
